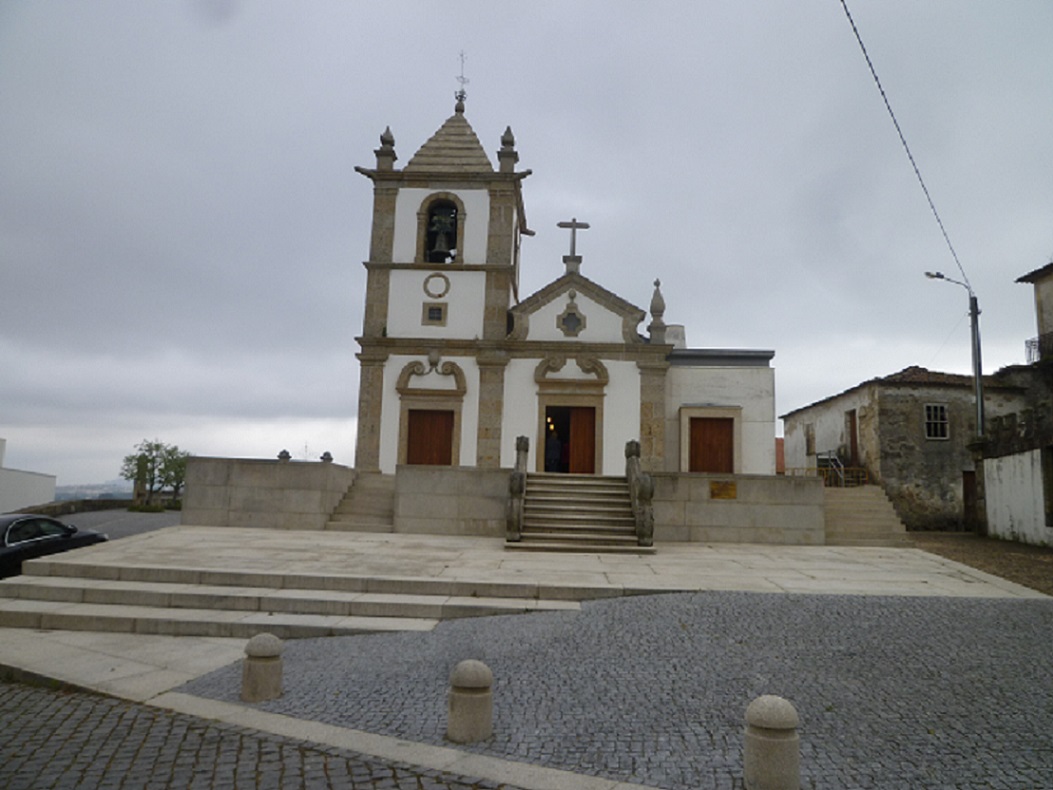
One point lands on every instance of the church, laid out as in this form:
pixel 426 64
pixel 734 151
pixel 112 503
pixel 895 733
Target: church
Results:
pixel 568 419
pixel 456 363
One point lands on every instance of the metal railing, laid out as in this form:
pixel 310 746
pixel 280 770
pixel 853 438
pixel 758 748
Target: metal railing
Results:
pixel 1039 348
pixel 847 477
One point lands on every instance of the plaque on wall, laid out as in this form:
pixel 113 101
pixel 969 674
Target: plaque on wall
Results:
pixel 723 489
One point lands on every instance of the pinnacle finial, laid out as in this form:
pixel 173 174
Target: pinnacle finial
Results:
pixel 657 326
pixel 386 153
pixel 657 301
pixel 507 156
pixel 460 95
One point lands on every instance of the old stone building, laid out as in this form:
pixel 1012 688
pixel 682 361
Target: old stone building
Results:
pixel 455 363
pixel 910 432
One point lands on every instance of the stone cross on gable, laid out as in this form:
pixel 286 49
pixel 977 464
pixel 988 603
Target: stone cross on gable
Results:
pixel 573 261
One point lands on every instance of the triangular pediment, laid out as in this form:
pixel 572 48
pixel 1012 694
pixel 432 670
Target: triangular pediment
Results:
pixel 454 147
pixel 573 308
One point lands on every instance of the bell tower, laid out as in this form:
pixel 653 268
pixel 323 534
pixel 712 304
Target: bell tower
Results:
pixel 442 274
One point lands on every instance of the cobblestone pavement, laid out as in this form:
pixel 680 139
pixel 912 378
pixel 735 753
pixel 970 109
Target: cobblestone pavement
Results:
pixel 58 739
pixel 892 692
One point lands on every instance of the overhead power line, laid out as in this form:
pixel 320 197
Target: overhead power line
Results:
pixel 903 139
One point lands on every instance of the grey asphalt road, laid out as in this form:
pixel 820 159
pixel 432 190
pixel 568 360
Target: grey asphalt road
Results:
pixel 122 523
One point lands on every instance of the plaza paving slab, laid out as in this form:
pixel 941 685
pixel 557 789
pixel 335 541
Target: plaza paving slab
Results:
pixel 162 671
pixel 833 570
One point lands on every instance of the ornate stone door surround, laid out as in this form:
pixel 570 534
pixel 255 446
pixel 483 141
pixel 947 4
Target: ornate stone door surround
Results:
pixel 588 392
pixel 430 399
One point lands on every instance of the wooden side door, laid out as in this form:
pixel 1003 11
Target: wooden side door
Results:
pixel 429 438
pixel 852 427
pixel 582 458
pixel 712 445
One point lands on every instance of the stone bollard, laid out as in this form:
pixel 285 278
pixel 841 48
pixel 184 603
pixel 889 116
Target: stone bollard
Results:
pixel 772 756
pixel 261 669
pixel 471 703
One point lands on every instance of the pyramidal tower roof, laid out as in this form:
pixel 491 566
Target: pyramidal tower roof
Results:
pixel 453 147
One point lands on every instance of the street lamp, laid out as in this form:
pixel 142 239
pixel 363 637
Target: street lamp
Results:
pixel 974 316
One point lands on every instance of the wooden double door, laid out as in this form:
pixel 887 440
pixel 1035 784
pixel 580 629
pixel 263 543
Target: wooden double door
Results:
pixel 570 439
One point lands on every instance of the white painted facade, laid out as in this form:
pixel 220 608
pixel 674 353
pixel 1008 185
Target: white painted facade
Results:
pixel 620 410
pixel 430 381
pixel 475 216
pixel 413 290
pixel 1016 508
pixel 826 421
pixel 744 394
pixel 601 325
pixel 451 341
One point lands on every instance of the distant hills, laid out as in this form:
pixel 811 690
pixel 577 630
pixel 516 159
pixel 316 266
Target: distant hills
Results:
pixel 113 489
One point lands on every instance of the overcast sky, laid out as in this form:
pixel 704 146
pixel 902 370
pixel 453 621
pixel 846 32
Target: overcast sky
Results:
pixel 182 230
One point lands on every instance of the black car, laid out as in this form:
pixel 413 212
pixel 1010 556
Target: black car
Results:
pixel 24 536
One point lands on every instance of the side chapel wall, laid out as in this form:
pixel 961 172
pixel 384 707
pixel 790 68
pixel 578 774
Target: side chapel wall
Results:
pixel 752 390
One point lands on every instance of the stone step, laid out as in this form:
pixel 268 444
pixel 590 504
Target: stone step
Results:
pixel 61 566
pixel 63 616
pixel 883 540
pixel 620 515
pixel 583 526
pixel 555 488
pixel 862 516
pixel 536 505
pixel 577 513
pixel 581 537
pixel 359 524
pixel 368 506
pixel 74 595
pixel 169 595
pixel 570 546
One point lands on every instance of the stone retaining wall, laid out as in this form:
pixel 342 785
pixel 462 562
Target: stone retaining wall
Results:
pixel 436 500
pixel 240 492
pixel 445 500
pixel 709 508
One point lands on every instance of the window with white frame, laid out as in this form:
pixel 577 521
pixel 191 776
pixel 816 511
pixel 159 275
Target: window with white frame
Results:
pixel 936 424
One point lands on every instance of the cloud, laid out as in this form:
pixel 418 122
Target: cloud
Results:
pixel 182 229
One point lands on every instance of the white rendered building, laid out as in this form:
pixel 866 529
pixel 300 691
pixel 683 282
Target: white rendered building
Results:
pixel 455 366
pixel 20 489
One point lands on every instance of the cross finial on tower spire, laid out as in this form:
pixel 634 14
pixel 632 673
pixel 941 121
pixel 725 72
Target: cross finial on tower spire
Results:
pixel 460 95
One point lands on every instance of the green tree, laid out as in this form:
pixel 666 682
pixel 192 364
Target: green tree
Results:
pixel 154 466
pixel 173 469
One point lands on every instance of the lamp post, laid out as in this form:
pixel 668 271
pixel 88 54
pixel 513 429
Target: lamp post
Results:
pixel 974 316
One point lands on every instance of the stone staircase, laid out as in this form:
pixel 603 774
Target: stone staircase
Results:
pixel 862 516
pixel 53 594
pixel 368 506
pixel 584 513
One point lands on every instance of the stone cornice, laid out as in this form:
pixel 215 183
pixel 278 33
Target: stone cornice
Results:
pixel 450 180
pixel 437 267
pixel 642 354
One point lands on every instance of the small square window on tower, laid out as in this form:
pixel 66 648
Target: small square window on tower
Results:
pixel 936 423
pixel 433 314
